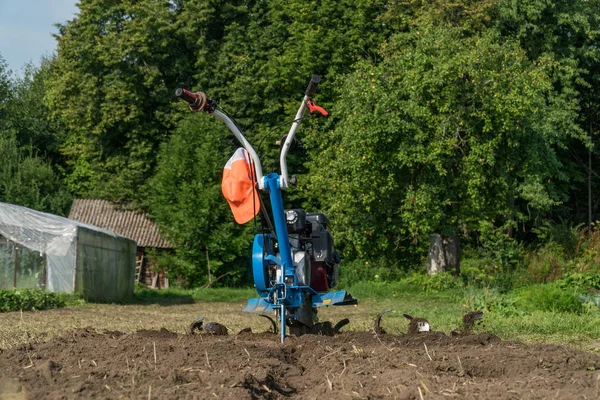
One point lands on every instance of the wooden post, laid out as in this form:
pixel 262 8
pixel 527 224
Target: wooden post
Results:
pixel 452 252
pixel 208 265
pixel 44 270
pixel 16 264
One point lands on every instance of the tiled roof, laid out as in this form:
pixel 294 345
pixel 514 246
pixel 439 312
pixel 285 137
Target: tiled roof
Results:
pixel 107 215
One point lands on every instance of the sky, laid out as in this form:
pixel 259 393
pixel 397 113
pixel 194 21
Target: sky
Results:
pixel 26 28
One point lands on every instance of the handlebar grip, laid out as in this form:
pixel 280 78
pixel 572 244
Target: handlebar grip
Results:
pixel 312 85
pixel 186 95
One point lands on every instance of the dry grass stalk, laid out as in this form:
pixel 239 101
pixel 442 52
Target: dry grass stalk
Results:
pixel 427 351
pixel 207 360
pixel 344 370
pixel 461 371
pixel 424 386
pixel 327 355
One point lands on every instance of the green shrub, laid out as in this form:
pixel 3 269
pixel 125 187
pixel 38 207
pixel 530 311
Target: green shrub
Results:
pixel 30 299
pixel 500 249
pixel 580 282
pixel 563 235
pixel 548 297
pixel 491 301
pixel 546 264
pixel 355 271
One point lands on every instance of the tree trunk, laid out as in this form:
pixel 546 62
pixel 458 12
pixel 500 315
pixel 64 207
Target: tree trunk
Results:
pixel 452 251
pixel 444 254
pixel 436 260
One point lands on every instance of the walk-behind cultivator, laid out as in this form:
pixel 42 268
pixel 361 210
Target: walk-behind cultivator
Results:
pixel 294 262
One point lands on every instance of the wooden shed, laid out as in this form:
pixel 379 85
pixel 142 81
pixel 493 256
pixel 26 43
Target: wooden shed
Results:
pixel 136 225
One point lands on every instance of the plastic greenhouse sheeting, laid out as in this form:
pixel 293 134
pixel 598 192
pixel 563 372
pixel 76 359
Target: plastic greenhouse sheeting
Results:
pixel 61 255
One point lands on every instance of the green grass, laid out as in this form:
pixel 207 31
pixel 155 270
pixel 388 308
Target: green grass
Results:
pixel 534 314
pixel 188 296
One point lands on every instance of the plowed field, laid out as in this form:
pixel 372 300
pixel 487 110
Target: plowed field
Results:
pixel 161 364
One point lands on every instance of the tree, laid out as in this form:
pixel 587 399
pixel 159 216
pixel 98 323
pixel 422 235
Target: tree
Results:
pixel 26 177
pixel 567 32
pixel 117 66
pixel 28 180
pixel 453 131
pixel 5 92
pixel 188 206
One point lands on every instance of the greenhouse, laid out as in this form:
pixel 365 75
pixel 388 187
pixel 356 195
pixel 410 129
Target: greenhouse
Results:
pixel 39 250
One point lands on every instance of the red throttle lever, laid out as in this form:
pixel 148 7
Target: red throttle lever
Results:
pixel 312 107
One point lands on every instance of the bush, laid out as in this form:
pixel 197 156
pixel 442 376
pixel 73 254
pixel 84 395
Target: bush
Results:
pixel 580 282
pixel 548 297
pixel 483 273
pixel 546 263
pixel 30 299
pixel 356 271
pixel 541 297
pixel 491 301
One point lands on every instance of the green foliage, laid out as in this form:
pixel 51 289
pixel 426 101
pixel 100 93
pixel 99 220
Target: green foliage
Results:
pixel 567 32
pixel 566 236
pixel 447 133
pixel 491 301
pixel 579 282
pixel 30 299
pixel 112 84
pixel 418 285
pixel 353 271
pixel 29 180
pixel 467 117
pixel 565 251
pixel 548 297
pixel 28 172
pixel 187 204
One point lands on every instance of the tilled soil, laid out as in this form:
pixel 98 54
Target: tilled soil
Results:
pixel 166 365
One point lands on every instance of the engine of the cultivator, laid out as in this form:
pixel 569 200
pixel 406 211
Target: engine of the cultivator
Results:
pixel 294 261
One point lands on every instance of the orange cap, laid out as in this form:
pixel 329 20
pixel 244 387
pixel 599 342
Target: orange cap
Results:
pixel 238 187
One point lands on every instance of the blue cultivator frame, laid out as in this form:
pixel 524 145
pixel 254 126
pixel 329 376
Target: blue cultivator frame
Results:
pixel 282 285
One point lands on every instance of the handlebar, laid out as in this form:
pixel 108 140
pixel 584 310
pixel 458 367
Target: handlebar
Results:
pixel 312 85
pixel 186 95
pixel 196 101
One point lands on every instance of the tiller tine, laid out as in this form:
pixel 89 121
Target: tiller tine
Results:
pixel 275 330
pixel 377 327
pixel 196 325
pixel 340 325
